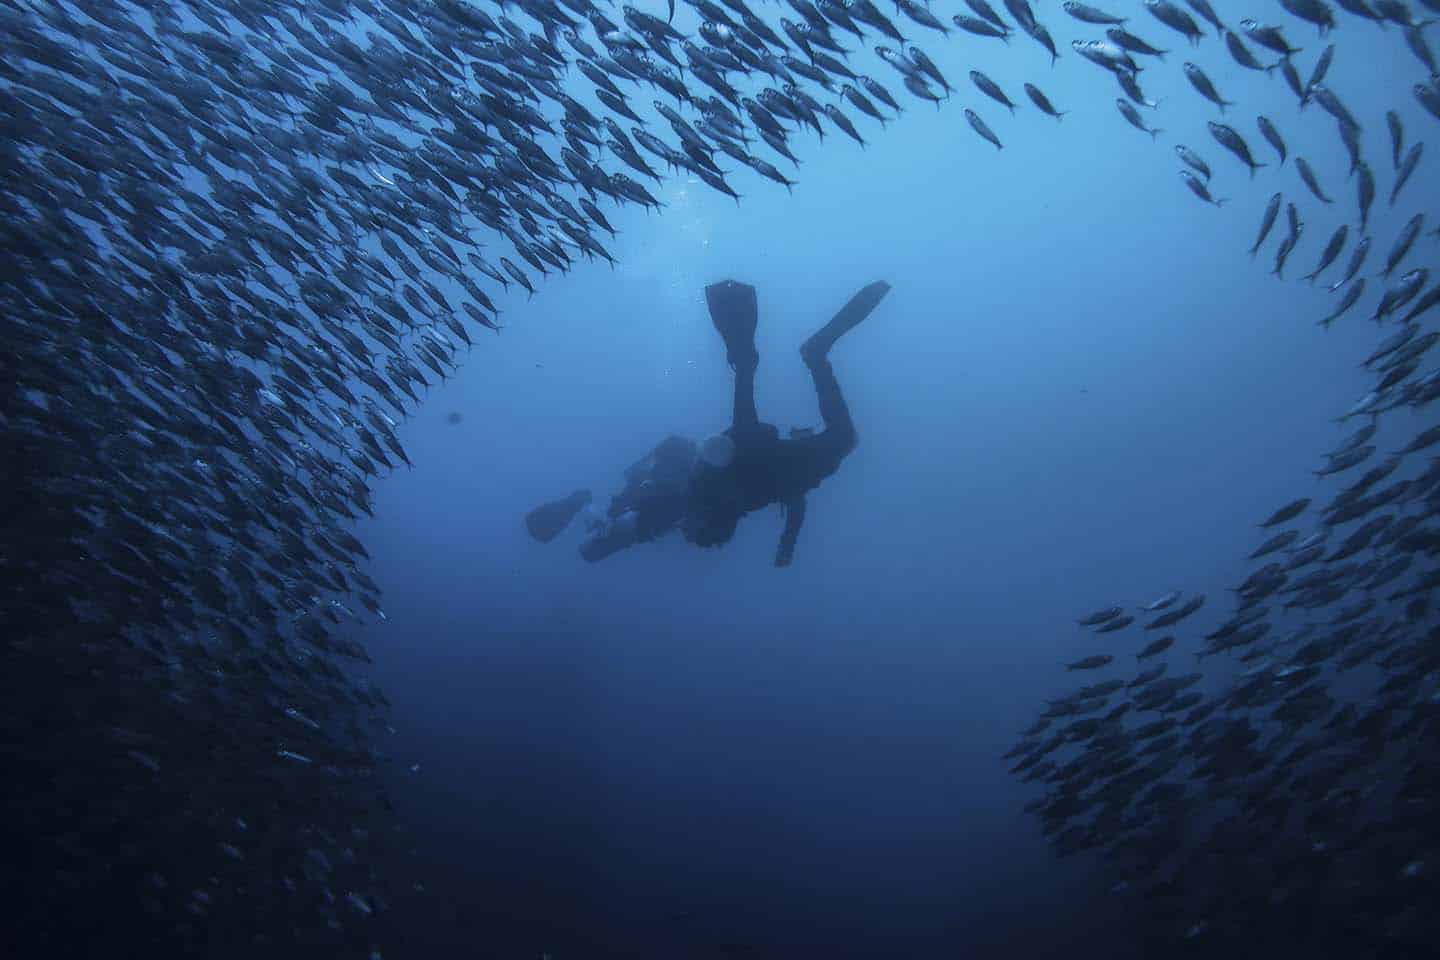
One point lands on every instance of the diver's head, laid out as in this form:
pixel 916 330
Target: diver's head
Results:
pixel 717 451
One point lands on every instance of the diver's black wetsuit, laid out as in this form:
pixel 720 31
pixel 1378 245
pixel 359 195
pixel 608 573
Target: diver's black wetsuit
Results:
pixel 767 468
pixel 673 486
pixel 771 469
pixel 657 488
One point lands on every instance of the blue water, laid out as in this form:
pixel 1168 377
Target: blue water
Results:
pixel 1081 390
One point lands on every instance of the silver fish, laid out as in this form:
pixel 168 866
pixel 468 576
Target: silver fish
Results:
pixel 1203 8
pixel 1397 136
pixel 1267 221
pixel 1268 36
pixel 1091 663
pixel 1428 94
pixel 1278 542
pixel 1089 14
pixel 1322 67
pixel 1161 602
pixel 1331 251
pixel 1192 160
pixel 1357 260
pixel 1401 292
pixel 1128 111
pixel 1271 134
pixel 1197 187
pixel 979 127
pixel 1288 512
pixel 980 27
pixel 1312 11
pixel 991 89
pixel 1352 296
pixel 1332 104
pixel 1308 176
pixel 1427 302
pixel 1365 192
pixel 1175 18
pixel 1415 40
pixel 1042 102
pixel 1101 616
pixel 1404 242
pixel 1241 54
pixel 1128 41
pixel 1203 83
pixel 1232 141
pixel 1406 170
pixel 1108 55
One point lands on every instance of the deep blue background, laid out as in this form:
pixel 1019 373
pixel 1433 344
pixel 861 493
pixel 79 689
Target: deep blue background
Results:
pixel 1081 390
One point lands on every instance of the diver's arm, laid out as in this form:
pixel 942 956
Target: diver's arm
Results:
pixel 794 517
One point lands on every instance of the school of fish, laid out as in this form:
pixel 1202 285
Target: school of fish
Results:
pixel 244 236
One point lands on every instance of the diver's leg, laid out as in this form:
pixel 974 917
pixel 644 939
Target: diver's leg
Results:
pixel 745 416
pixel 839 436
pixel 849 317
pixel 733 311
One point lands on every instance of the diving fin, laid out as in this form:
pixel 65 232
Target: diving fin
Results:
pixel 734 312
pixel 549 520
pixel 849 317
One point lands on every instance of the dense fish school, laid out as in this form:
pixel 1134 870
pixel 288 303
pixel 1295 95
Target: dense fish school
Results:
pixel 243 236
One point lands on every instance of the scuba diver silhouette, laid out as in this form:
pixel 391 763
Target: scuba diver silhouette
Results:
pixel 704 490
